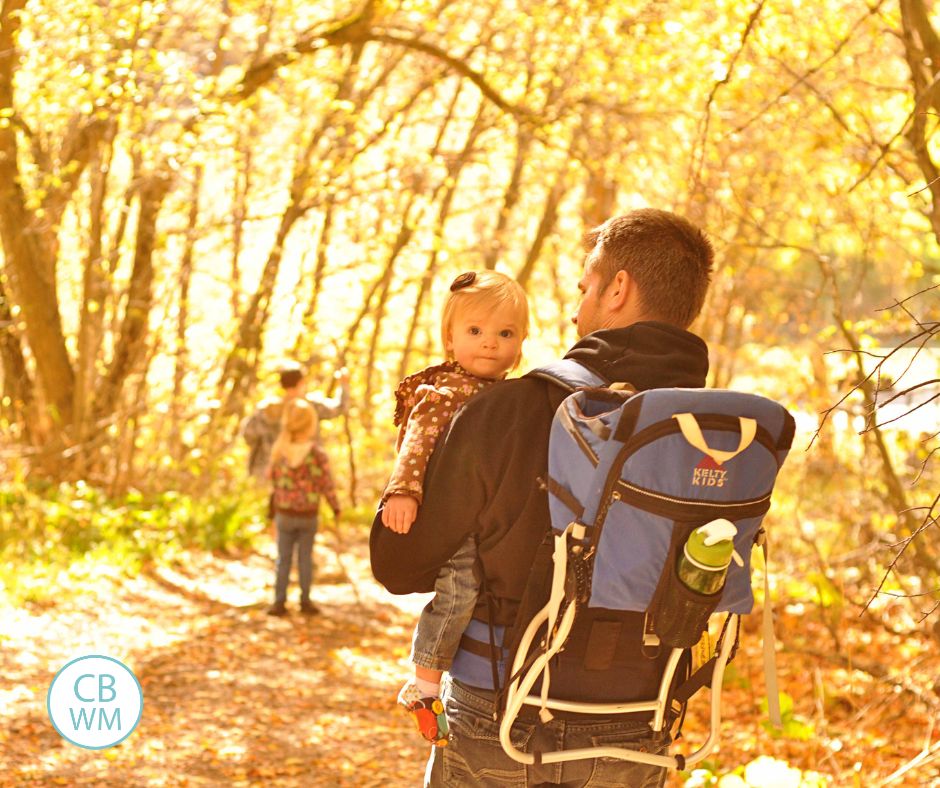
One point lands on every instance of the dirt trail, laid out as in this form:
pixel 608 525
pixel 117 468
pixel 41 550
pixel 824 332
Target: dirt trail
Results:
pixel 231 695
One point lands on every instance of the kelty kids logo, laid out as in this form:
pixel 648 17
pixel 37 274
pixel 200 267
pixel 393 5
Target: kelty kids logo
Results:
pixel 708 473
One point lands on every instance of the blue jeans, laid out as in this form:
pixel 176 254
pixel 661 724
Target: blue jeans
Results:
pixel 294 531
pixel 444 619
pixel 474 756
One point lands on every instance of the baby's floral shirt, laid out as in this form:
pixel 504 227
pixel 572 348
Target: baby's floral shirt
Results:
pixel 425 404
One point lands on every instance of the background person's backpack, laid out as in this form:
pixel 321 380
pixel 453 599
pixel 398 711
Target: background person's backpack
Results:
pixel 298 488
pixel 631 475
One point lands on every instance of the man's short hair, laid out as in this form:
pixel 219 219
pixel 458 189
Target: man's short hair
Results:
pixel 290 374
pixel 667 256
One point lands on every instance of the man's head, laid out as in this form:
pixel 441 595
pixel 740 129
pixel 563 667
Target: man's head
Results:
pixel 645 265
pixel 293 378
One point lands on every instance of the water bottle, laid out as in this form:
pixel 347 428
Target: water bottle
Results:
pixel 703 563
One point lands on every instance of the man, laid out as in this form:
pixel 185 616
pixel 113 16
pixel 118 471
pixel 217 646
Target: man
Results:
pixel 262 427
pixel 645 279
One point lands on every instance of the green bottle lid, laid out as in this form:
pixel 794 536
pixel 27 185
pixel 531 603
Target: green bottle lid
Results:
pixel 711 545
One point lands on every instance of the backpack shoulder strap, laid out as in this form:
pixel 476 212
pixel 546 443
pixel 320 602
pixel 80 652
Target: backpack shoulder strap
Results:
pixel 568 374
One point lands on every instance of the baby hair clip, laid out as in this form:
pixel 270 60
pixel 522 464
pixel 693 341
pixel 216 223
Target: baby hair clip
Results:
pixel 464 280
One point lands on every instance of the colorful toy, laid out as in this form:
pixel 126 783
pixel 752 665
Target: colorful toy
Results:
pixel 428 714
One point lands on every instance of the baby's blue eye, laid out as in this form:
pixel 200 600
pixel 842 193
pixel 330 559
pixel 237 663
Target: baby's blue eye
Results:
pixel 506 333
pixel 473 330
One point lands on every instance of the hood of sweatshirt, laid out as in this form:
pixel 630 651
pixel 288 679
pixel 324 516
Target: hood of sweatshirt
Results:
pixel 647 355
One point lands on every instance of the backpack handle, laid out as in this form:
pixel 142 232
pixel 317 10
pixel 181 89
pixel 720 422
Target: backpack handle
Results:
pixel 693 434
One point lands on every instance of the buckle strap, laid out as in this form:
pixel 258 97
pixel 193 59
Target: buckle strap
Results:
pixel 770 656
pixel 564 495
pixel 703 676
pixel 478 648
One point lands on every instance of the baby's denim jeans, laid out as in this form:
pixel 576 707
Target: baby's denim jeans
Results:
pixel 445 617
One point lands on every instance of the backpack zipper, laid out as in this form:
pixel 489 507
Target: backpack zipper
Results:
pixel 686 501
pixel 611 494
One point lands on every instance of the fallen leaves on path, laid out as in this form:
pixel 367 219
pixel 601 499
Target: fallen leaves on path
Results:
pixel 231 696
pixel 235 697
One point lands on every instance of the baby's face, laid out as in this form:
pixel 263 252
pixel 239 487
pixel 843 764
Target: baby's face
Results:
pixel 485 341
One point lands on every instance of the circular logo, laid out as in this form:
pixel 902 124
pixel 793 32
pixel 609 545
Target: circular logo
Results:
pixel 95 702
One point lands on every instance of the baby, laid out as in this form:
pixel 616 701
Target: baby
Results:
pixel 485 321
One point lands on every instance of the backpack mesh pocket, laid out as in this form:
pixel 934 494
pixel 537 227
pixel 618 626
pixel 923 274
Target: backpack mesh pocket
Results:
pixel 679 615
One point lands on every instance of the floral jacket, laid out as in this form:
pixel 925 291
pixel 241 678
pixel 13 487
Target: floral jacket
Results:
pixel 425 404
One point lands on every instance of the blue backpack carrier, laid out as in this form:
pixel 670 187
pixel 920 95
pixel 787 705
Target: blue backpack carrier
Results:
pixel 630 477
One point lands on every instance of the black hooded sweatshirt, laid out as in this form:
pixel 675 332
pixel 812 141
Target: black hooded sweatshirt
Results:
pixel 483 475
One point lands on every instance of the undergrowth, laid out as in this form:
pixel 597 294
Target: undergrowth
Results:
pixel 48 533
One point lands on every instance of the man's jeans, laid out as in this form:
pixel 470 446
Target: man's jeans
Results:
pixel 474 756
pixel 444 619
pixel 294 532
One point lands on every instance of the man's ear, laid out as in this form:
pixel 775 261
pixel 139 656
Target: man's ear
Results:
pixel 618 291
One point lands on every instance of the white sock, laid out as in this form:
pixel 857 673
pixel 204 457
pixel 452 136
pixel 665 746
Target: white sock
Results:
pixel 428 689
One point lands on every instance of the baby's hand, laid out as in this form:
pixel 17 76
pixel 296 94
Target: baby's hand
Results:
pixel 399 513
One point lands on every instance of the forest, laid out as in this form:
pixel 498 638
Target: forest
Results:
pixel 193 192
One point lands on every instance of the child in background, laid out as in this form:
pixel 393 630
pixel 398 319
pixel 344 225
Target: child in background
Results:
pixel 300 474
pixel 485 321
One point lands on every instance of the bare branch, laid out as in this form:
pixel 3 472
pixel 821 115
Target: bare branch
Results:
pixel 923 465
pixel 910 389
pixel 460 67
pixel 929 753
pixel 815 69
pixel 906 413
pixel 905 300
pixel 358 31
pixel 929 519
pixel 698 156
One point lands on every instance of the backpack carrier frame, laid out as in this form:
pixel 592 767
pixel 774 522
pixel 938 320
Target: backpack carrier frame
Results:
pixel 672 460
pixel 518 695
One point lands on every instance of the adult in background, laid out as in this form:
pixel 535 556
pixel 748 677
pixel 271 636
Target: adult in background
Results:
pixel 264 425
pixel 645 278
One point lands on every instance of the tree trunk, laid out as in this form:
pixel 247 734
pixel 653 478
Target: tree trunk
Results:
pixel 182 320
pixel 95 291
pixel 28 247
pixel 18 402
pixel 131 343
pixel 451 180
pixel 302 346
pixel 243 173
pixel 720 325
pixel 558 291
pixel 348 155
pixel 600 196
pixel 922 51
pixel 123 477
pixel 405 231
pixel 240 365
pixel 494 249
pixel 357 321
pixel 919 551
pixel 546 226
